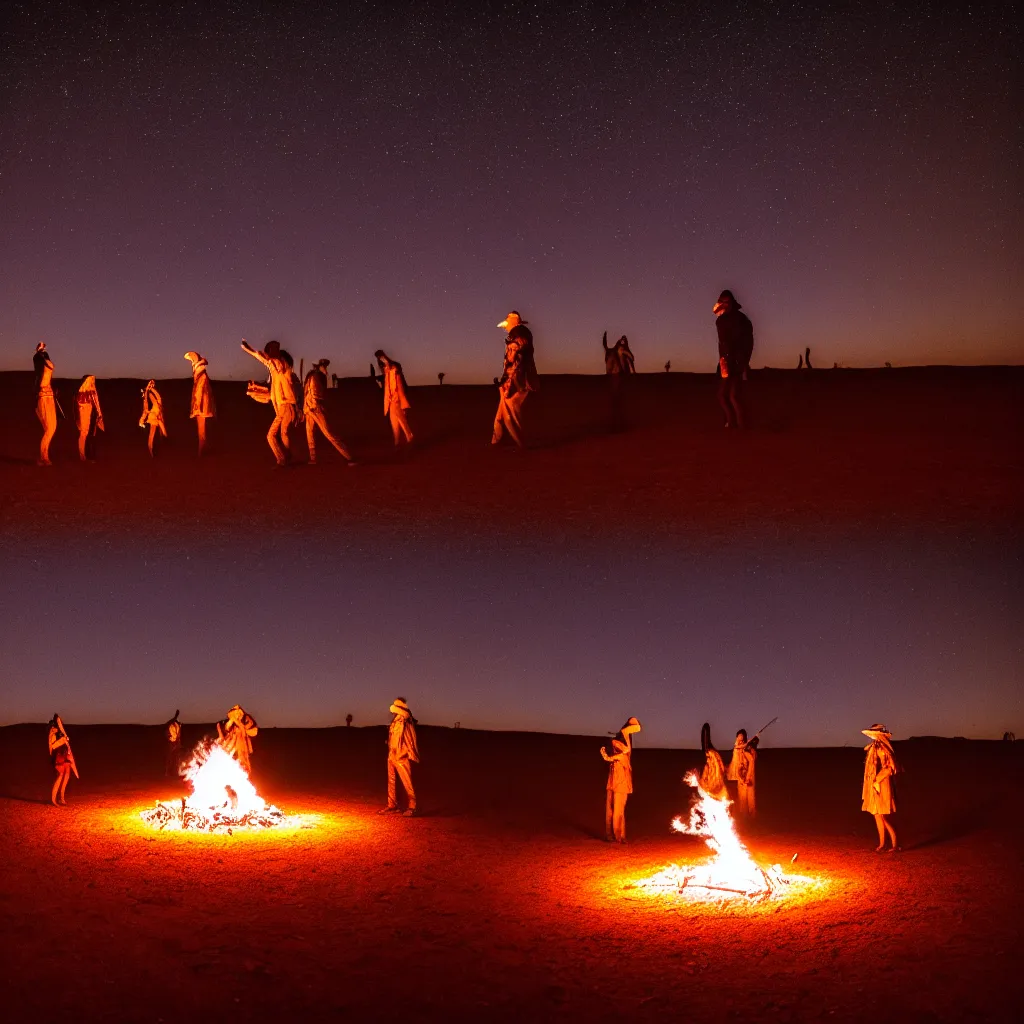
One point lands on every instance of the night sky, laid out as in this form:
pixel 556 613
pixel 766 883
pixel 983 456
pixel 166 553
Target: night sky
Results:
pixel 179 176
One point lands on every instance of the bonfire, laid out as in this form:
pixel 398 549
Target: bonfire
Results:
pixel 222 797
pixel 731 873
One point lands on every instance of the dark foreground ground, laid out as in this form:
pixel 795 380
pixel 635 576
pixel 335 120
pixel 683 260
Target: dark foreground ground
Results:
pixel 500 903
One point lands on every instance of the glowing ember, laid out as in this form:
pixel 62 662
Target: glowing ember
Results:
pixel 731 872
pixel 222 797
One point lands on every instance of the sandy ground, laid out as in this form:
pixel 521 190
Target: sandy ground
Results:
pixel 500 902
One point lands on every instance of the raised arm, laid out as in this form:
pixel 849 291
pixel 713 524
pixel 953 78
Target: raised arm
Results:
pixel 246 347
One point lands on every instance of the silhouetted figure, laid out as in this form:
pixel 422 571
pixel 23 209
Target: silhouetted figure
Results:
pixel 403 752
pixel 800 364
pixel 741 772
pixel 668 366
pixel 807 358
pixel 348 721
pixel 203 406
pixel 315 413
pixel 172 730
pixel 712 776
pixel 373 372
pixel 518 379
pixel 46 401
pixel 152 413
pixel 877 795
pixel 735 348
pixel 440 378
pixel 62 759
pixel 1009 737
pixel 620 781
pixel 89 416
pixel 396 397
pixel 235 736
pixel 888 365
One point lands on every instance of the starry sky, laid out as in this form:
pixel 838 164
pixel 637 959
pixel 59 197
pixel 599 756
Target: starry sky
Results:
pixel 344 177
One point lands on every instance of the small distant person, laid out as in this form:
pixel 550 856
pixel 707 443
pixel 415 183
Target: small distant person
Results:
pixel 89 416
pixel 620 781
pixel 152 413
pixel 235 736
pixel 203 406
pixel 668 366
pixel 283 397
pixel 46 401
pixel 712 776
pixel 807 358
pixel 440 378
pixel 518 379
pixel 877 796
pixel 403 752
pixel 735 349
pixel 741 771
pixel 396 398
pixel 172 762
pixel 348 721
pixel 62 760
pixel 314 394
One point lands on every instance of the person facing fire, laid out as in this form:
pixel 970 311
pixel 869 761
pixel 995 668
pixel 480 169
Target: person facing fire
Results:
pixel 283 397
pixel 518 378
pixel 735 349
pixel 89 416
pixel 396 399
pixel 235 736
pixel 741 772
pixel 62 760
pixel 403 751
pixel 877 795
pixel 46 401
pixel 152 413
pixel 172 730
pixel 314 394
pixel 712 776
pixel 620 781
pixel 203 406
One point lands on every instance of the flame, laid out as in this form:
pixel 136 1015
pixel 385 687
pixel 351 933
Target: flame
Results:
pixel 221 797
pixel 731 872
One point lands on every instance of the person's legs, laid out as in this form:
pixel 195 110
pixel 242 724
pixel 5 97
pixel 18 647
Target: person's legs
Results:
pixel 396 429
pixel 735 398
pixel 609 815
pixel 404 768
pixel 83 437
pixel 272 433
pixel 201 428
pixel 311 425
pixel 152 435
pixel 880 825
pixel 400 424
pixel 392 789
pixel 499 420
pixel 890 830
pixel 514 417
pixel 65 774
pixel 56 788
pixel 288 418
pixel 751 801
pixel 321 421
pixel 620 817
pixel 46 413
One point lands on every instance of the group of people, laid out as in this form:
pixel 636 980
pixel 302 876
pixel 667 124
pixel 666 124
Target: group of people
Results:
pixel 295 401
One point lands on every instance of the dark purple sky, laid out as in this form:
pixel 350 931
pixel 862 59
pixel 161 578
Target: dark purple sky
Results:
pixel 178 176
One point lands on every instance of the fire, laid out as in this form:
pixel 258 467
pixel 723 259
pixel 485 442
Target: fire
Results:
pixel 222 797
pixel 731 872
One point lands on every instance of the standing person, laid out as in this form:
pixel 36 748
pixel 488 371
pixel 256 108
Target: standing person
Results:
pixel 87 402
pixel 314 393
pixel 62 759
pixel 618 365
pixel 735 349
pixel 396 400
pixel 518 378
pixel 203 405
pixel 620 782
pixel 152 413
pixel 877 796
pixel 741 771
pixel 235 736
pixel 712 776
pixel 402 752
pixel 283 397
pixel 46 401
pixel 172 730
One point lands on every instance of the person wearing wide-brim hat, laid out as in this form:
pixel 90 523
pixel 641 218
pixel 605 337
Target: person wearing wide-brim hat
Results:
pixel 396 396
pixel 877 797
pixel 518 378
pixel 620 781
pixel 403 750
pixel 314 395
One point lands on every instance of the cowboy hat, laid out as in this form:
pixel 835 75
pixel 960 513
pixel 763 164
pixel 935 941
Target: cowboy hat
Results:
pixel 880 733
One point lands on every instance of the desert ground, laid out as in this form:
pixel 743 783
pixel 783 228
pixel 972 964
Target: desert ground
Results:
pixel 501 902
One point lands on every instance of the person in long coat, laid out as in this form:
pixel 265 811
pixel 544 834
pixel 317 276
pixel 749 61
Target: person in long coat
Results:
pixel 519 378
pixel 203 406
pixel 396 398
pixel 403 752
pixel 235 736
pixel 712 776
pixel 877 795
pixel 152 413
pixel 620 781
pixel 89 416
pixel 741 771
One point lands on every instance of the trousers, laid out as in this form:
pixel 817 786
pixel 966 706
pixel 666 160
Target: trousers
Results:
pixel 746 803
pixel 402 768
pixel 509 417
pixel 615 815
pixel 277 436
pixel 46 413
pixel 399 423
pixel 316 418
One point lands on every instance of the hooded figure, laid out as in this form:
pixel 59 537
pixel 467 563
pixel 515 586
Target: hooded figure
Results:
pixel 741 771
pixel 172 730
pixel 735 348
pixel 203 405
pixel 712 776
pixel 402 752
pixel 392 382
pixel 152 413
pixel 314 394
pixel 235 736
pixel 877 797
pixel 283 397
pixel 518 378
pixel 618 365
pixel 87 403
pixel 62 760
pixel 46 401
pixel 620 781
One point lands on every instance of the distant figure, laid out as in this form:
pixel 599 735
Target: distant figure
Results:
pixel 283 397
pixel 348 721
pixel 152 413
pixel 314 393
pixel 89 416
pixel 396 398
pixel 668 365
pixel 620 782
pixel 800 364
pixel 888 365
pixel 62 760
pixel 735 348
pixel 877 796
pixel 203 406
pixel 46 401
pixel 1009 737
pixel 172 762
pixel 518 378
pixel 440 378
pixel 807 358
pixel 403 751
pixel 741 771
pixel 235 736
pixel 712 776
